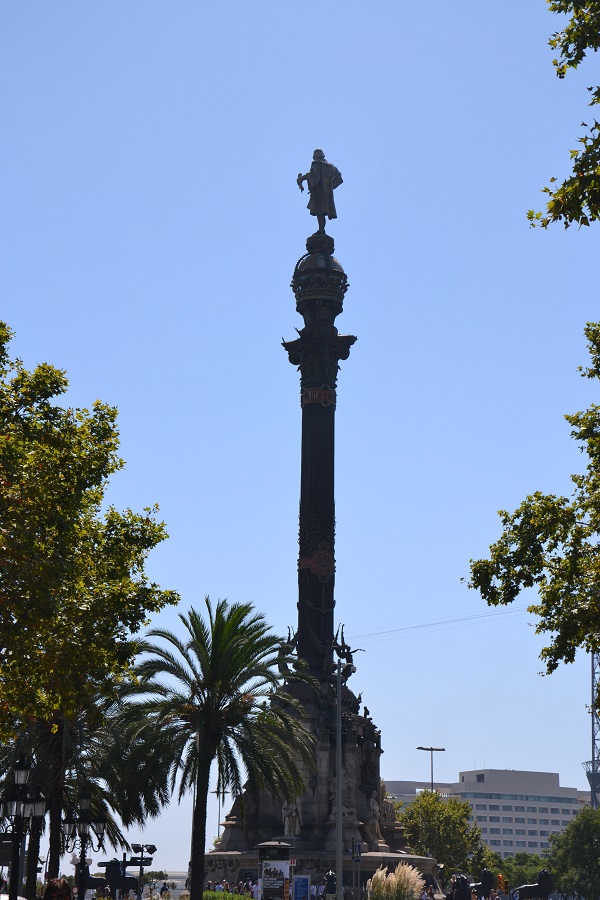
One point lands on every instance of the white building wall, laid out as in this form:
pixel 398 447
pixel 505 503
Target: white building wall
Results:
pixel 516 811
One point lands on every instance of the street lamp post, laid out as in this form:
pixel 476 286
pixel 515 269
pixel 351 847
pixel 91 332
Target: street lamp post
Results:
pixel 339 859
pixel 19 808
pixel 140 849
pixel 344 670
pixel 432 750
pixel 220 798
pixel 78 831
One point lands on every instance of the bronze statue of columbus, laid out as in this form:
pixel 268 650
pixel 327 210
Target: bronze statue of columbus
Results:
pixel 322 179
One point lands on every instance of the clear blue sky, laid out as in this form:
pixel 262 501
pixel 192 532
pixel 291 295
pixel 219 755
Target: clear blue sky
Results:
pixel 150 223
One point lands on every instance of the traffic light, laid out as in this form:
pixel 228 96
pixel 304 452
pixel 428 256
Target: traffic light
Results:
pixel 500 882
pixel 505 885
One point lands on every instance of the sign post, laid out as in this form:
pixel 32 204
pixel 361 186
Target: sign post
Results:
pixel 301 887
pixel 274 870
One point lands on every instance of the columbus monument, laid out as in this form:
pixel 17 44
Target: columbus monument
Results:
pixel 310 824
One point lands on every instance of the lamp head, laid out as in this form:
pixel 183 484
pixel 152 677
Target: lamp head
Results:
pixel 21 770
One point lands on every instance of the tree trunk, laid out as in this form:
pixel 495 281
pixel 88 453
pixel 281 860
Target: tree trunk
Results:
pixel 57 783
pixel 199 822
pixel 33 852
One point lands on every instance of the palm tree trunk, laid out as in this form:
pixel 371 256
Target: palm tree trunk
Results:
pixel 57 783
pixel 33 852
pixel 199 822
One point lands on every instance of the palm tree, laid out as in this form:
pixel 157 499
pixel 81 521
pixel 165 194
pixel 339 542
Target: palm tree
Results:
pixel 87 753
pixel 217 695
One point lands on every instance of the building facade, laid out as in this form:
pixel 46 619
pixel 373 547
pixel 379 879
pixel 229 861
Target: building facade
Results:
pixel 516 811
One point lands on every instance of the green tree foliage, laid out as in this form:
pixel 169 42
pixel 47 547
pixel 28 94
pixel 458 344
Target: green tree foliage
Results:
pixel 155 876
pixel 216 695
pixel 551 543
pixel 574 858
pixel 441 828
pixel 73 589
pixel 522 868
pixel 577 199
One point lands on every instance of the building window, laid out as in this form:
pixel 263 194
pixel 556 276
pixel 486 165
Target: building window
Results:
pixel 507 855
pixel 481 818
pixel 494 831
pixel 531 809
pixel 520 831
pixel 544 822
pixel 554 810
pixel 532 843
pixel 494 806
pixel 566 812
pixel 507 818
pixel 544 833
pixel 522 809
pixel 480 806
pixel 507 831
pixel 543 809
pixel 565 824
pixel 554 822
pixel 532 821
pixel 520 819
pixel 480 778
pixel 494 818
pixel 532 833
pixel 483 830
pixel 507 843
pixel 495 843
pixel 507 809
pixel 520 843
pixel 544 844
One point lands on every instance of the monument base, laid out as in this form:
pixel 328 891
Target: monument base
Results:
pixel 239 866
pixel 308 824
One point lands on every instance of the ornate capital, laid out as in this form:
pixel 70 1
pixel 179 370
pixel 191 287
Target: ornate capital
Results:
pixel 317 352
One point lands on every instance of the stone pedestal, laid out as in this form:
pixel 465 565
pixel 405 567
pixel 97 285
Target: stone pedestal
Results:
pixel 367 817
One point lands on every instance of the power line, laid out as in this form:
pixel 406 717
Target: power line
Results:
pixel 388 633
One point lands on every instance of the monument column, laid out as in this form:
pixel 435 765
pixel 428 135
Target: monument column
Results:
pixel 319 284
pixel 342 802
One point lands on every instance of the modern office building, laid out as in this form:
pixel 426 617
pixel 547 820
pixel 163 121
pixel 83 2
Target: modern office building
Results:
pixel 516 811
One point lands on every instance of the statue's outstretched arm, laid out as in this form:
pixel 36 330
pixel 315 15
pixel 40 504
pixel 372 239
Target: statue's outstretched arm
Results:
pixel 300 179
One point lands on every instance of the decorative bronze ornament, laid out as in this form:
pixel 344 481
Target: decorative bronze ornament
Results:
pixel 320 562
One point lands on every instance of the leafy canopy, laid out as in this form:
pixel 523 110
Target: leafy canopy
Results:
pixel 73 589
pixel 522 868
pixel 216 694
pixel 551 543
pixel 574 857
pixel 577 198
pixel 441 828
